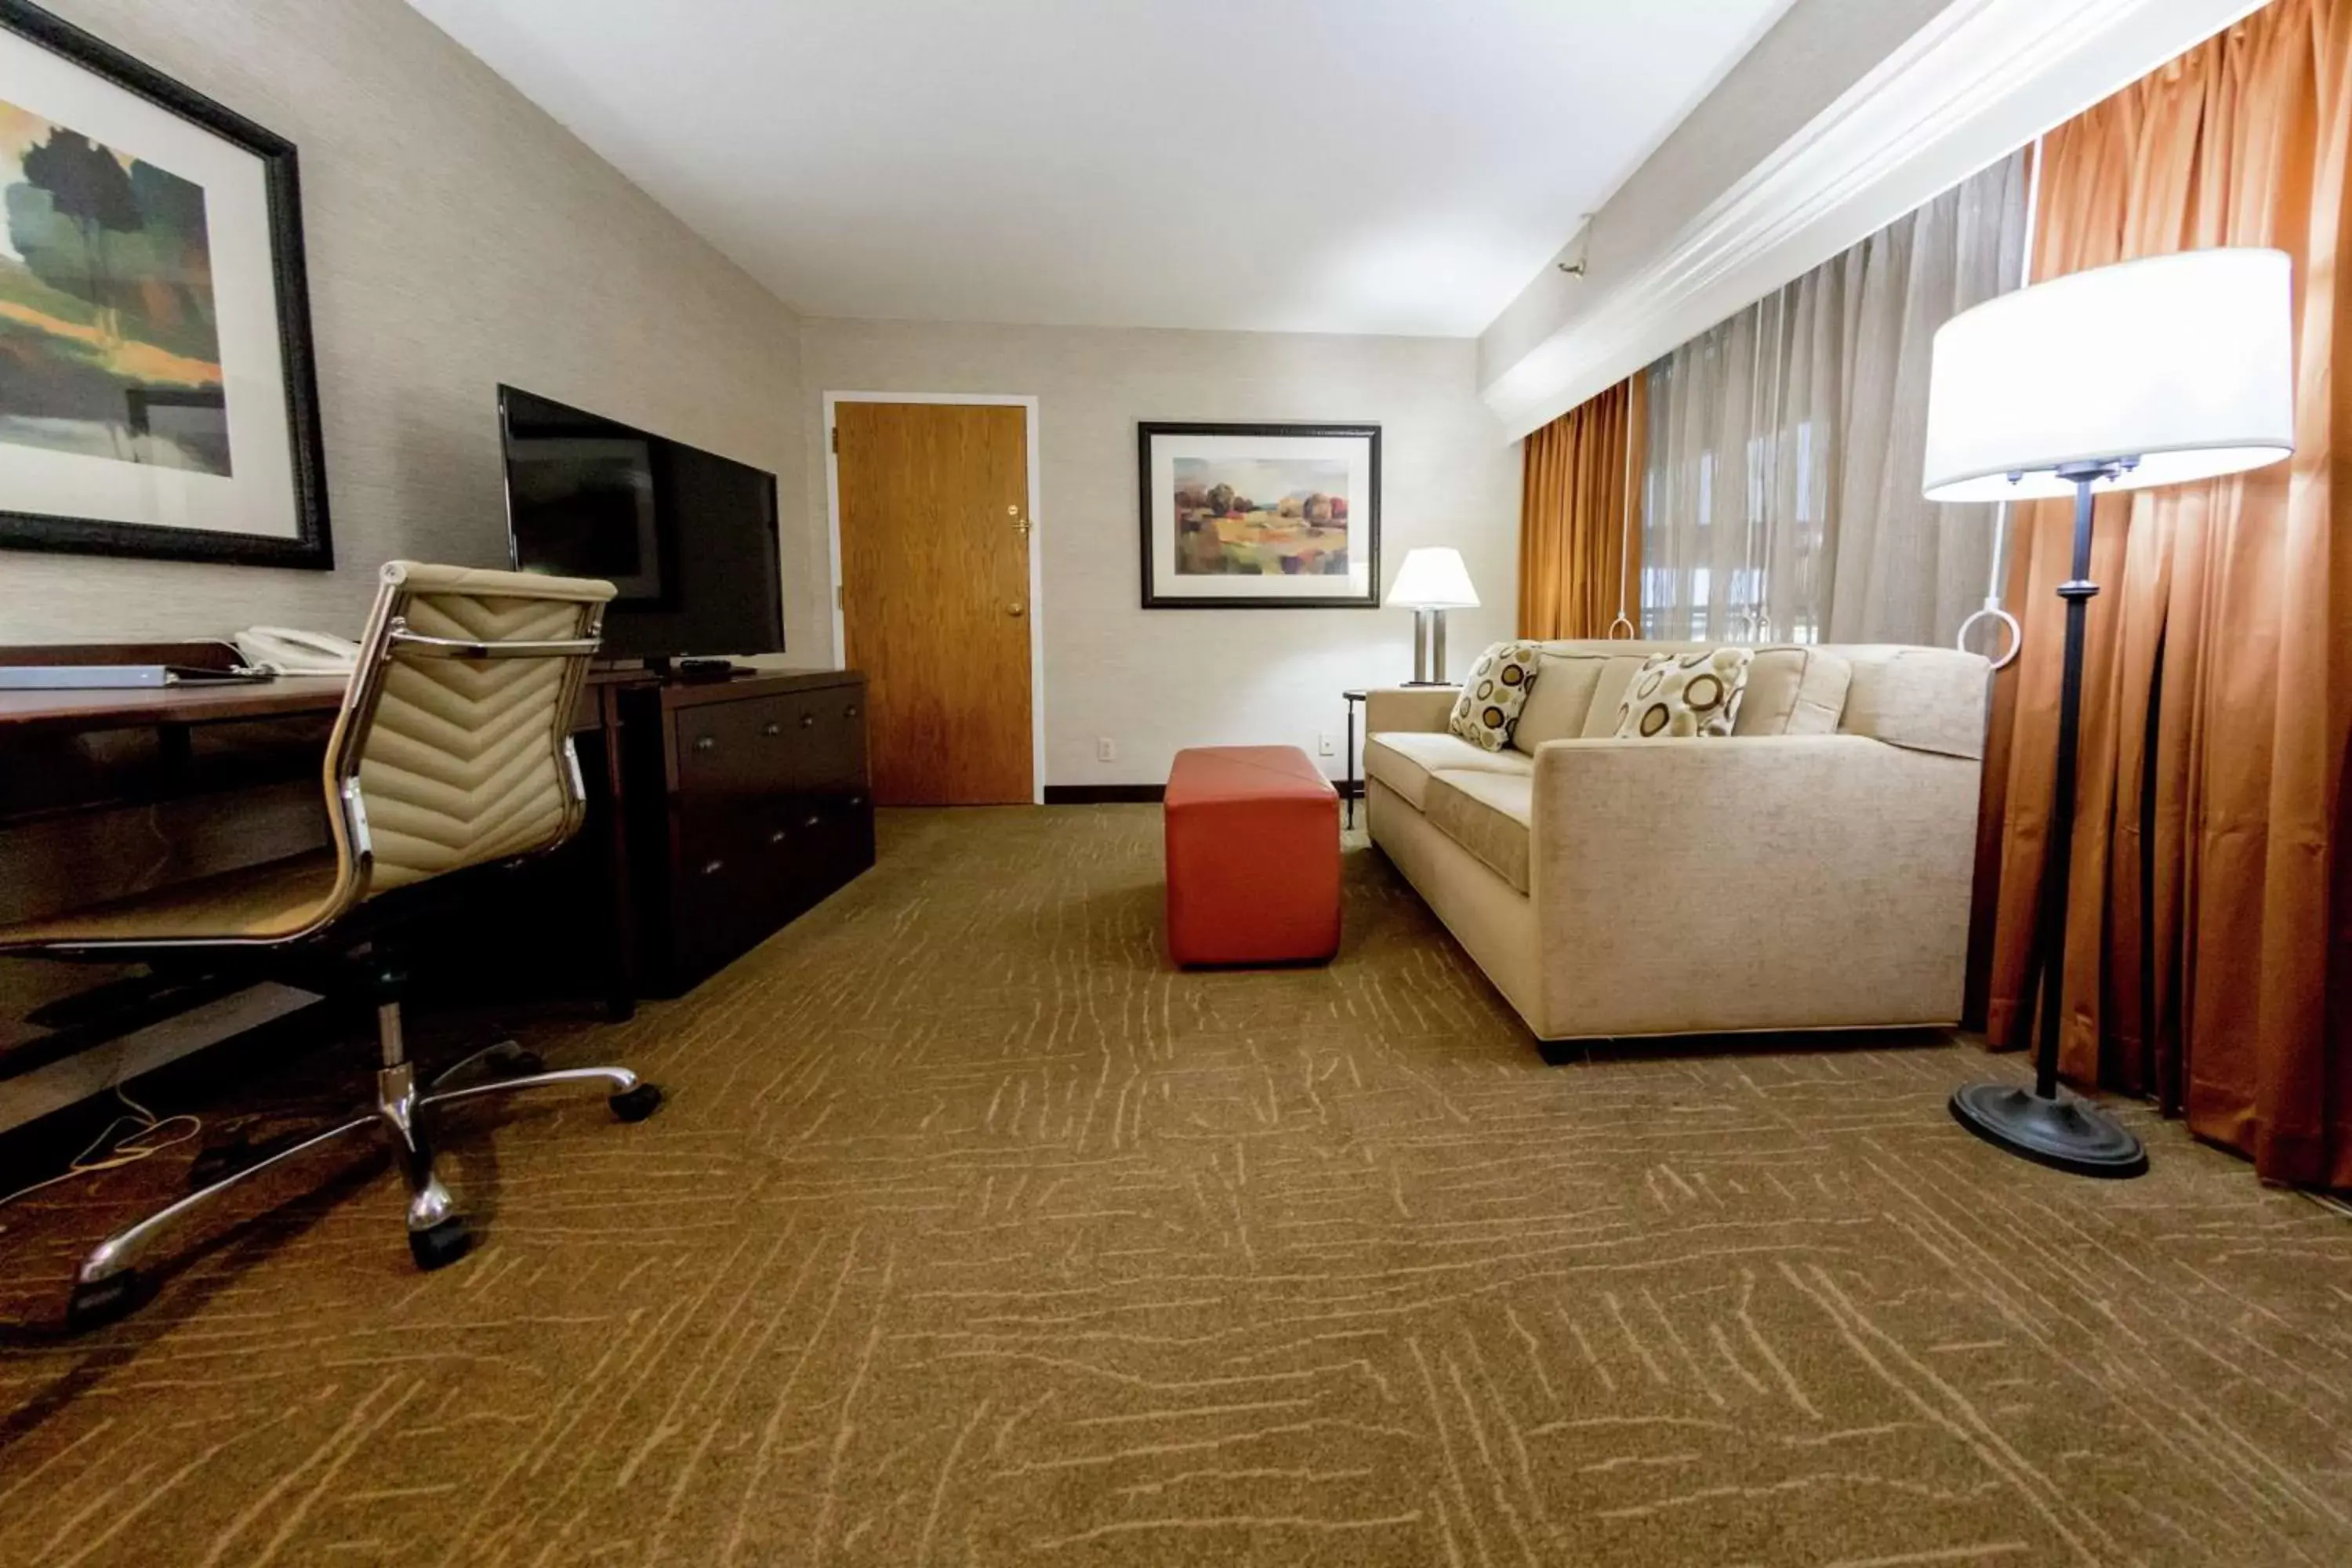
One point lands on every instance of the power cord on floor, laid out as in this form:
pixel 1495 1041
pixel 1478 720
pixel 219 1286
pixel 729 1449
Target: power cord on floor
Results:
pixel 125 1140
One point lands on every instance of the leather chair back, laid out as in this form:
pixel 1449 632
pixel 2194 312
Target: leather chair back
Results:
pixel 453 747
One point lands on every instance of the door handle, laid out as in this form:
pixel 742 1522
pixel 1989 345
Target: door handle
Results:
pixel 1016 608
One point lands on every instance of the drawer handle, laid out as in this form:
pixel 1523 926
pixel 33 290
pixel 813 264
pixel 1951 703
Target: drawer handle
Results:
pixel 814 822
pixel 771 728
pixel 712 867
pixel 850 711
pixel 858 800
pixel 705 744
pixel 777 836
pixel 808 721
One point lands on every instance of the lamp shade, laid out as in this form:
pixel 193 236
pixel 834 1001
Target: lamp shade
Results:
pixel 1433 578
pixel 2183 361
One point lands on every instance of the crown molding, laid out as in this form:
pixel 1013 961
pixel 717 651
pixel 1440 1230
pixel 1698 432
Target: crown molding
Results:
pixel 1980 81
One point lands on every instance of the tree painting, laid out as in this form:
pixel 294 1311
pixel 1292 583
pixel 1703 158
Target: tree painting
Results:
pixel 1261 517
pixel 109 346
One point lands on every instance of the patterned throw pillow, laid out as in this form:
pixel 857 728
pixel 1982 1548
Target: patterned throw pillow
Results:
pixel 1684 694
pixel 1491 698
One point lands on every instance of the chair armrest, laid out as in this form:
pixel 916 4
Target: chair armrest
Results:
pixel 1423 708
pixel 1766 882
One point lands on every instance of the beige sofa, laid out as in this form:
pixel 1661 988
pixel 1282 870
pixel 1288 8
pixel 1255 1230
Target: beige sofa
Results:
pixel 1811 870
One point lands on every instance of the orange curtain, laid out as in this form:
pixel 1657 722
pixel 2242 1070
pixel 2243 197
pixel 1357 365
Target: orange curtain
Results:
pixel 2213 846
pixel 1580 518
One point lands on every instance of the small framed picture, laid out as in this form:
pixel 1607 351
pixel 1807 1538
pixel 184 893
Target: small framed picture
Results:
pixel 1260 516
pixel 157 390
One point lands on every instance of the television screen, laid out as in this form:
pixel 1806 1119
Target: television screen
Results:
pixel 688 537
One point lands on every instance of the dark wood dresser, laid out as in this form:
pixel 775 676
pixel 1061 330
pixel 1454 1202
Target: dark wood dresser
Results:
pixel 748 803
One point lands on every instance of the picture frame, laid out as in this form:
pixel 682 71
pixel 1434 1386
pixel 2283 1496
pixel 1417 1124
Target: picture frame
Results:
pixel 1259 516
pixel 154 312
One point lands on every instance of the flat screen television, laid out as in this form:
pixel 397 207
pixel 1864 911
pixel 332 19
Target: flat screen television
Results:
pixel 687 536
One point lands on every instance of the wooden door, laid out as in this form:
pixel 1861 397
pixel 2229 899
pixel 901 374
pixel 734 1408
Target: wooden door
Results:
pixel 935 596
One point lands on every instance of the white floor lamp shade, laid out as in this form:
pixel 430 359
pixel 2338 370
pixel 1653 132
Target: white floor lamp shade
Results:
pixel 2157 372
pixel 2181 364
pixel 1432 581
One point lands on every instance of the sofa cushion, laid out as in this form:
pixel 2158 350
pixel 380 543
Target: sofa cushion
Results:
pixel 1403 760
pixel 1921 699
pixel 1685 694
pixel 1794 689
pixel 1491 698
pixel 1559 700
pixel 1609 693
pixel 1487 815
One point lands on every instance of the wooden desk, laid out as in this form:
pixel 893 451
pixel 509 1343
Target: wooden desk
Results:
pixel 717 812
pixel 26 712
pixel 104 793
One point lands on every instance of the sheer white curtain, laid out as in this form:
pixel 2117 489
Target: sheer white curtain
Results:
pixel 1780 501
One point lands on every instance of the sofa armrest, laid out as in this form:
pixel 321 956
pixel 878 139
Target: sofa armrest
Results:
pixel 1423 708
pixel 1764 882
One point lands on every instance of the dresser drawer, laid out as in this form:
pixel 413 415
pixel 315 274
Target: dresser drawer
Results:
pixel 829 751
pixel 725 906
pixel 814 744
pixel 726 749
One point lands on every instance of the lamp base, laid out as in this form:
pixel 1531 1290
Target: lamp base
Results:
pixel 2061 1133
pixel 1428 648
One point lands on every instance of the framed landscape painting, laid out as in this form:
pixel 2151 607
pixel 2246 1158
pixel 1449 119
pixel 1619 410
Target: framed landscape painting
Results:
pixel 1260 516
pixel 157 391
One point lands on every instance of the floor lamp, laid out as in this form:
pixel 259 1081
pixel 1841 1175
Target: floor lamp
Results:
pixel 2157 372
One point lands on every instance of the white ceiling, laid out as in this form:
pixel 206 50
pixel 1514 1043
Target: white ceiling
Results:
pixel 1298 166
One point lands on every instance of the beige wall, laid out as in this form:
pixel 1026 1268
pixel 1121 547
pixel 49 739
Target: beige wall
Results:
pixel 456 237
pixel 1155 680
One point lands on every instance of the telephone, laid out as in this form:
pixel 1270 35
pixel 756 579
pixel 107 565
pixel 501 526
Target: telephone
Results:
pixel 288 651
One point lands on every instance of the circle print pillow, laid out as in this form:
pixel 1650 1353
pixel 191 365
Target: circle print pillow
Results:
pixel 1488 709
pixel 1684 694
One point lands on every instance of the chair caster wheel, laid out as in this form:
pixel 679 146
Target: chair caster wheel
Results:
pixel 96 1303
pixel 638 1104
pixel 441 1245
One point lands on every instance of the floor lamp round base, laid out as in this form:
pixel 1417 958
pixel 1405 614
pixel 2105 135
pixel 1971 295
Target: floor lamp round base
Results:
pixel 2064 1132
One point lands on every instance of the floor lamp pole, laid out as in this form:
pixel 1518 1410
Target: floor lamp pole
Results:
pixel 2044 1125
pixel 2058 871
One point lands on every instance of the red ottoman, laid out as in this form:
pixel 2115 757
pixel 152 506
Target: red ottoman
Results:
pixel 1252 857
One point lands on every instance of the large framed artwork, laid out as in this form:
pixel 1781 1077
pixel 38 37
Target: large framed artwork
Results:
pixel 157 391
pixel 1260 516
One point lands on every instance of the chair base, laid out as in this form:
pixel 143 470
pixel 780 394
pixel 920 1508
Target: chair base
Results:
pixel 112 1281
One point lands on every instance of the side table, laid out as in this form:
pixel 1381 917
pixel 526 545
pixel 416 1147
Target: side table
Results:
pixel 1355 700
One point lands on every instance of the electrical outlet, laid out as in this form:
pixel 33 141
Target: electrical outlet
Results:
pixel 1105 749
pixel 1327 746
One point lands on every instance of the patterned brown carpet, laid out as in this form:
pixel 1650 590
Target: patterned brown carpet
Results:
pixel 974 1235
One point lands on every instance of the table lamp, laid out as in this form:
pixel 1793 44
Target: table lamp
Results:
pixel 1432 581
pixel 2162 371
